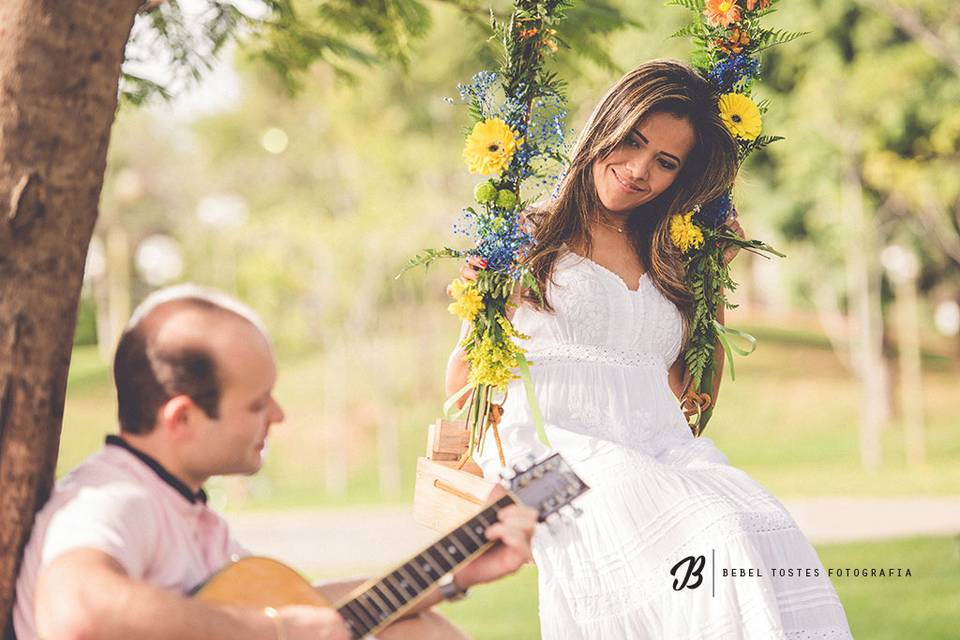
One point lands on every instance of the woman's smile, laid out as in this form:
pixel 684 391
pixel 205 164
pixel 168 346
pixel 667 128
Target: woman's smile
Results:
pixel 628 185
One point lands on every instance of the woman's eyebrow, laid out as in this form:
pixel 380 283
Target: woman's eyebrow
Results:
pixel 645 141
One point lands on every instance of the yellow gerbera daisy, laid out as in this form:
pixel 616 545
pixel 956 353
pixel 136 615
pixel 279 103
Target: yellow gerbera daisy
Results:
pixel 490 147
pixel 741 115
pixel 684 234
pixel 467 301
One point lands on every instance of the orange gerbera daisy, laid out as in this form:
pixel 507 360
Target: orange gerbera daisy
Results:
pixel 722 12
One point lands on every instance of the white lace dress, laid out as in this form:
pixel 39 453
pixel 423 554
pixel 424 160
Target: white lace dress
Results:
pixel 658 494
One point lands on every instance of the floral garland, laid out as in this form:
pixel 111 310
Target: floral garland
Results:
pixel 729 38
pixel 518 140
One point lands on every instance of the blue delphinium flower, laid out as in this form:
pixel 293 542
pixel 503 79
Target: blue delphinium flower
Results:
pixel 734 72
pixel 712 214
pixel 501 241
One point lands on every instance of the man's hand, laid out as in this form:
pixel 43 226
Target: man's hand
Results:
pixel 513 533
pixel 312 623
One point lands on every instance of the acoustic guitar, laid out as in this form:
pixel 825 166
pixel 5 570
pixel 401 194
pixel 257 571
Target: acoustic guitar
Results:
pixel 549 486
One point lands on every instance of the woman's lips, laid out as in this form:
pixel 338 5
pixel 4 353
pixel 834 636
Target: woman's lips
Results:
pixel 627 186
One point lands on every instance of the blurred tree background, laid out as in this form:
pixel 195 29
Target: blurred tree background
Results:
pixel 307 204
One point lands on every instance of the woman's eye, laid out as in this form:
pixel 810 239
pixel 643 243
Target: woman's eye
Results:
pixel 633 142
pixel 669 166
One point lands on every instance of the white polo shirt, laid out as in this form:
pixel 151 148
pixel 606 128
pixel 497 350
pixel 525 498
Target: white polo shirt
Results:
pixel 124 503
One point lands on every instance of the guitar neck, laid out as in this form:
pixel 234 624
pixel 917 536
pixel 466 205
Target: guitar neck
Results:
pixel 379 603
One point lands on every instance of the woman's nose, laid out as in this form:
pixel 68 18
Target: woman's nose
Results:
pixel 639 166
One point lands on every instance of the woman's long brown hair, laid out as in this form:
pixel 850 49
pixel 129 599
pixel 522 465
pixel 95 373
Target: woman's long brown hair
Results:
pixel 657 86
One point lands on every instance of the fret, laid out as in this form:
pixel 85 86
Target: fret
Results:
pixel 416 578
pixel 475 531
pixel 431 568
pixel 462 536
pixel 447 547
pixel 357 628
pixel 457 545
pixel 405 582
pixel 487 517
pixel 381 590
pixel 438 552
pixel 394 591
pixel 358 621
pixel 370 607
pixel 377 599
pixel 420 571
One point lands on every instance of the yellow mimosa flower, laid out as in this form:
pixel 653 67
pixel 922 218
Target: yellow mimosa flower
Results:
pixel 684 233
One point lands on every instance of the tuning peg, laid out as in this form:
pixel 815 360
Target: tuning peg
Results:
pixel 552 523
pixel 525 463
pixel 507 473
pixel 577 511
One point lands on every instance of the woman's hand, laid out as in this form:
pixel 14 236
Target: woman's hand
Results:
pixel 731 223
pixel 470 271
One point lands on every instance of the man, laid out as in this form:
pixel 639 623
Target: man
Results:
pixel 128 532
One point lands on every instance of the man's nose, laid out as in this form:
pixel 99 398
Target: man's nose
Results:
pixel 276 413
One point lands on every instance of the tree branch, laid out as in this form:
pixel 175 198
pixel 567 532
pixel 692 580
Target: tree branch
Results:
pixel 912 23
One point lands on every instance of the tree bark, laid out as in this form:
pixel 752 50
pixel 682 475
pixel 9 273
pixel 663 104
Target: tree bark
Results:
pixel 59 72
pixel 863 289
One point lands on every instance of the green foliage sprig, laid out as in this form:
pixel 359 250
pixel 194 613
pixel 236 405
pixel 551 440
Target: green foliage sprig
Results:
pixel 728 36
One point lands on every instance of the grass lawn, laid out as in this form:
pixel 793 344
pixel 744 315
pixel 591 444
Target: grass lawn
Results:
pixel 789 420
pixel 925 605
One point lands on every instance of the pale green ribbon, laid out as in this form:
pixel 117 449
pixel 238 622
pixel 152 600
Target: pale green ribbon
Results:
pixel 450 409
pixel 729 347
pixel 532 398
pixel 452 412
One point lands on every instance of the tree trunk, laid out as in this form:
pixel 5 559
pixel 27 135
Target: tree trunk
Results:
pixel 864 292
pixel 59 70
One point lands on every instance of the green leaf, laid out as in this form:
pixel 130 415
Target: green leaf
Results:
pixel 426 258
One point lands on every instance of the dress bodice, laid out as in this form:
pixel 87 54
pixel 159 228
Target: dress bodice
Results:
pixel 599 363
pixel 597 318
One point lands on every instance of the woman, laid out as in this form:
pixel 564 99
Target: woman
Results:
pixel 667 514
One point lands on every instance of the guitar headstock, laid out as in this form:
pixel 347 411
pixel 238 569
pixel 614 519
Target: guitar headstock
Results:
pixel 547 485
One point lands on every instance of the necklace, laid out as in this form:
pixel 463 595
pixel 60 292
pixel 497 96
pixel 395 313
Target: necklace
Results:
pixel 609 225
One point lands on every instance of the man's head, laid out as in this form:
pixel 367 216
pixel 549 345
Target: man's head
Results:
pixel 194 372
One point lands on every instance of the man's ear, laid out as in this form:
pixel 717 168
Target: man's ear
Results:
pixel 175 414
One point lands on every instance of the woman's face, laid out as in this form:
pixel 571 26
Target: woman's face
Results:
pixel 645 164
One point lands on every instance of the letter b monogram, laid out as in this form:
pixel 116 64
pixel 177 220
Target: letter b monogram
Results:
pixel 694 568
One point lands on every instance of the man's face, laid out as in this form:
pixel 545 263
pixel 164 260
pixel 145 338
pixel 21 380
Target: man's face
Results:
pixel 234 442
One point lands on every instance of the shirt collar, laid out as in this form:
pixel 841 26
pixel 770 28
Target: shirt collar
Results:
pixel 156 467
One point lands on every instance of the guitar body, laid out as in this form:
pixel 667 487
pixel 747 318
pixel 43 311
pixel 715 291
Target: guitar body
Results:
pixel 257 582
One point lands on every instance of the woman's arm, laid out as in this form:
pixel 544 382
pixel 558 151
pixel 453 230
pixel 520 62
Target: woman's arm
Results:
pixel 678 376
pixel 457 367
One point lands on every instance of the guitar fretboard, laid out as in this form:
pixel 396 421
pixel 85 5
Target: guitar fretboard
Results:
pixel 381 601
